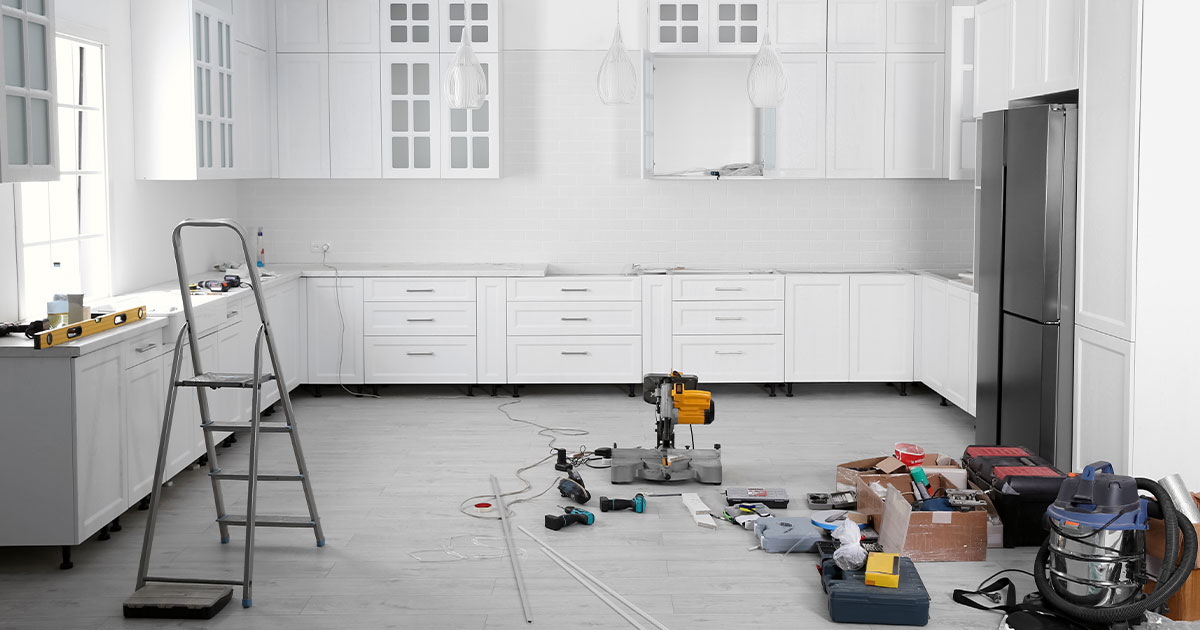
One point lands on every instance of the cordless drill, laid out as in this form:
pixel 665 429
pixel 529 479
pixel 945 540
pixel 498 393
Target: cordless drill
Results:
pixel 637 503
pixel 570 515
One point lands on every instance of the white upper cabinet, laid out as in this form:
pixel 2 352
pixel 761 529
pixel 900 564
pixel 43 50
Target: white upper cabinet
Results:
pixel 301 26
pixel 302 81
pixel 798 25
pixel 481 16
pixel 915 117
pixel 252 102
pixel 736 27
pixel 1045 41
pixel 355 144
pixel 800 119
pixel 677 26
pixel 916 26
pixel 471 137
pixel 29 140
pixel 960 92
pixel 857 26
pixel 254 21
pixel 354 26
pixel 412 120
pixel 854 138
pixel 409 26
pixel 992 58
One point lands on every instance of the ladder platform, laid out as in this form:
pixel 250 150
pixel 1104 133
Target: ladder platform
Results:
pixel 242 476
pixel 268 520
pixel 177 601
pixel 263 427
pixel 225 379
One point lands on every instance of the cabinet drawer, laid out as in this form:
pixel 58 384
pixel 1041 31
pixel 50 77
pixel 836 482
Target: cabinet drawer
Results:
pixel 419 318
pixel 730 358
pixel 419 289
pixel 575 288
pixel 730 318
pixel 730 287
pixel 419 359
pixel 575 359
pixel 575 318
pixel 144 347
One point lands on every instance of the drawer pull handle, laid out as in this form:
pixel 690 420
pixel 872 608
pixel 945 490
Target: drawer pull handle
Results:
pixel 730 352
pixel 419 290
pixel 231 314
pixel 730 289
pixel 729 319
pixel 420 354
pixel 575 319
pixel 146 348
pixel 574 289
pixel 577 352
pixel 420 319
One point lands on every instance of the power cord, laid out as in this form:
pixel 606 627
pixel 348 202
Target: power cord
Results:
pixel 337 295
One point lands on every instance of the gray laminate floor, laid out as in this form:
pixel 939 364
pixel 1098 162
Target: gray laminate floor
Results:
pixel 389 475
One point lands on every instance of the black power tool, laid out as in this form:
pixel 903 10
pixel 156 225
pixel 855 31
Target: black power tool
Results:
pixel 570 516
pixel 637 504
pixel 572 487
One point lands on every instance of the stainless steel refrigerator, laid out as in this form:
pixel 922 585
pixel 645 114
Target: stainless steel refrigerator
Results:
pixel 1026 279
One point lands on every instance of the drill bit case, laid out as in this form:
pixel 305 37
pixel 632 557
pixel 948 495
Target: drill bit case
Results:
pixel 851 600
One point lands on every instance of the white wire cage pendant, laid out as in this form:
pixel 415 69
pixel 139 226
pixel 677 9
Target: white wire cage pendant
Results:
pixel 617 80
pixel 466 81
pixel 767 84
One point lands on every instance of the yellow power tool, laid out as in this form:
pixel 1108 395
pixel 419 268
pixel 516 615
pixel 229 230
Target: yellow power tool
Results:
pixel 677 400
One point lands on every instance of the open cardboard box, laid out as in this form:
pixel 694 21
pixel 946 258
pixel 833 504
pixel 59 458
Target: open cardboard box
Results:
pixel 924 536
pixel 945 465
pixel 1184 605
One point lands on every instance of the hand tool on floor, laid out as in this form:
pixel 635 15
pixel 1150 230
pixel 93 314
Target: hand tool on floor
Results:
pixel 637 504
pixel 676 401
pixel 569 516
pixel 572 486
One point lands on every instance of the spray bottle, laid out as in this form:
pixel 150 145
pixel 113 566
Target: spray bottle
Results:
pixel 262 252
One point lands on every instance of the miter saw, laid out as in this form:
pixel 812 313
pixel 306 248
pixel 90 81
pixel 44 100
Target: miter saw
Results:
pixel 676 401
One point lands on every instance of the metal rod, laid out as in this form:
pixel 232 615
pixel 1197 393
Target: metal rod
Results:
pixel 597 582
pixel 177 580
pixel 595 591
pixel 512 553
pixel 252 483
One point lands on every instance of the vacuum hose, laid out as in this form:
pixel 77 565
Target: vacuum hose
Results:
pixel 1170 579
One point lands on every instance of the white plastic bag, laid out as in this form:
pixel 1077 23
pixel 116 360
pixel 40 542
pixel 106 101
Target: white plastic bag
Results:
pixel 850 556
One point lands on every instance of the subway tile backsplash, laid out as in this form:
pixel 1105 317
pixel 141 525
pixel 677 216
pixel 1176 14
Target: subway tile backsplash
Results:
pixel 571 195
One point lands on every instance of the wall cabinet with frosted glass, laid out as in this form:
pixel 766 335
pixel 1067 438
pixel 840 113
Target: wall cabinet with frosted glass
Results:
pixel 29 137
pixel 188 131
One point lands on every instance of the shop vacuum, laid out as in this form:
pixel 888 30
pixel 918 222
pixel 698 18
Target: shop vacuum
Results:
pixel 1091 570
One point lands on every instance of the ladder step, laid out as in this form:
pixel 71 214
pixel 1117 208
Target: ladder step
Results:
pixel 179 599
pixel 241 476
pixel 263 427
pixel 266 520
pixel 225 379
pixel 178 580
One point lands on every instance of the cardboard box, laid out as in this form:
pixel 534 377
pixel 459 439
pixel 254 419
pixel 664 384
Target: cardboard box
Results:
pixel 849 472
pixel 923 536
pixel 1184 605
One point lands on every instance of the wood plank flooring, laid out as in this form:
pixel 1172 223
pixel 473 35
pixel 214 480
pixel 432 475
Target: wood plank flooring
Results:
pixel 389 475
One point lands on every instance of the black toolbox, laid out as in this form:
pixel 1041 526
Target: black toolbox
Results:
pixel 851 600
pixel 1020 484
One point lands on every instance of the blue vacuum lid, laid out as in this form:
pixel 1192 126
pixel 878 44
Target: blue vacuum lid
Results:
pixel 1098 498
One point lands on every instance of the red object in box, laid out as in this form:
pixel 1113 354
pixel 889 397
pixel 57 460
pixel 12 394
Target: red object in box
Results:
pixel 909 454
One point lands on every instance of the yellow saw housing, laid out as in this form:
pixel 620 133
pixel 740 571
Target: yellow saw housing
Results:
pixel 692 406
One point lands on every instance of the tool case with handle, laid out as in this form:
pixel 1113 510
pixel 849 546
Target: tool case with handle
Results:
pixel 1021 484
pixel 851 600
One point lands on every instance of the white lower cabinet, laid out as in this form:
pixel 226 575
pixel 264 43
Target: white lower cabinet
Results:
pixel 958 336
pixel 817 330
pixel 730 358
pixel 932 357
pixel 491 341
pixel 947 336
pixel 575 359
pixel 419 318
pixel 335 331
pixel 145 392
pixel 100 480
pixel 1103 405
pixel 416 359
pixel 574 318
pixel 881 327
pixel 656 324
pixel 727 318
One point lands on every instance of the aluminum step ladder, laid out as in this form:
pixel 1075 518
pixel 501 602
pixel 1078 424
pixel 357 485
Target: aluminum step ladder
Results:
pixel 162 596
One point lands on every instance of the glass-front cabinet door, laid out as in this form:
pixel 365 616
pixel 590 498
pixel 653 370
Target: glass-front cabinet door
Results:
pixel 29 146
pixel 212 52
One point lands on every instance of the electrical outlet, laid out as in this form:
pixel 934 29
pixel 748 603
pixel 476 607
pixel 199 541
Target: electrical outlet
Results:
pixel 318 247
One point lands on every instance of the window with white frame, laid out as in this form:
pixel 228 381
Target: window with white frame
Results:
pixel 64 224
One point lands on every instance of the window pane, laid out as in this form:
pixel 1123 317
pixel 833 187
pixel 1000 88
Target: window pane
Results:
pixel 67 54
pixel 35 222
pixel 198 38
pixel 422 153
pixel 479 152
pixel 68 139
pixel 63 205
pixel 458 153
pixel 39 130
pixel 94 273
pixel 458 120
pixel 64 268
pixel 421 116
pixel 91 142
pixel 400 152
pixel 14 52
pixel 37 281
pixel 420 78
pixel 36 6
pixel 399 115
pixel 13 3
pixel 479 118
pixel 90 74
pixel 37 56
pixel 17 151
pixel 93 205
pixel 399 78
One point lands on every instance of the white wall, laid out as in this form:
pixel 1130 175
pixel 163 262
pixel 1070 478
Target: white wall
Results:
pixel 571 194
pixel 141 213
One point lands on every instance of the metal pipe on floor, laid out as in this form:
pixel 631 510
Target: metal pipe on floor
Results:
pixel 595 591
pixel 595 581
pixel 512 554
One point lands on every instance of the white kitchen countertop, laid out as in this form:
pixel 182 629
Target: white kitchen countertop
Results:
pixel 19 346
pixel 951 277
pixel 419 270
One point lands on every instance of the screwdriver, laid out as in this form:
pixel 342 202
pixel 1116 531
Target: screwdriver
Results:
pixel 637 503
pixel 570 515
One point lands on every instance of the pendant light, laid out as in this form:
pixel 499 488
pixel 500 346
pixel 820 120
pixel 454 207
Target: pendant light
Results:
pixel 466 82
pixel 767 83
pixel 617 80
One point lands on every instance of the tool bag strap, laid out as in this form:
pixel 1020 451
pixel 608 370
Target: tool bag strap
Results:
pixel 1003 587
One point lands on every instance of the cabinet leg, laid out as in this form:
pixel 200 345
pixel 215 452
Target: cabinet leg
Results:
pixel 788 386
pixel 66 558
pixel 144 504
pixel 269 410
pixel 316 391
pixel 116 525
pixel 770 390
pixel 516 391
pixel 944 403
pixel 375 390
pixel 631 391
pixel 495 390
pixel 202 462
pixel 903 389
pixel 103 533
pixel 470 389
